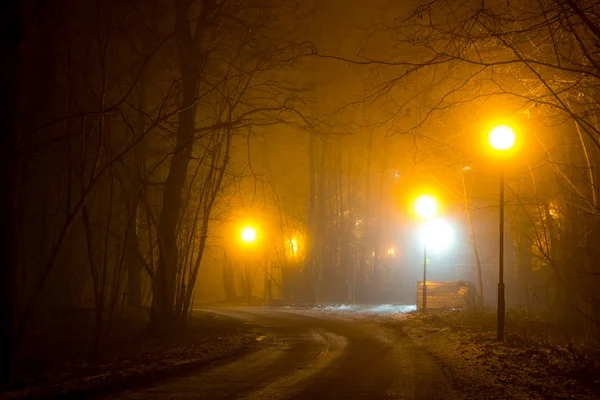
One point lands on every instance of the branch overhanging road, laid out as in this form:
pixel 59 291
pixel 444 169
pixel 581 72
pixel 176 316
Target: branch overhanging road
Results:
pixel 308 354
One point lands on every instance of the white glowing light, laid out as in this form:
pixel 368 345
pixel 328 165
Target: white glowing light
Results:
pixel 437 235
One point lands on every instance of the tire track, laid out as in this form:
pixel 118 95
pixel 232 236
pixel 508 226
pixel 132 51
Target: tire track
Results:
pixel 333 347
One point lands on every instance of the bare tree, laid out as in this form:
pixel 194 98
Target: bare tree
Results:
pixel 538 58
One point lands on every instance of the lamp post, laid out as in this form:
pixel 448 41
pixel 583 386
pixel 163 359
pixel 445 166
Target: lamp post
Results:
pixel 248 236
pixel 502 138
pixel 426 207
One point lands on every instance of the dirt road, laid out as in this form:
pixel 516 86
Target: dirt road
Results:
pixel 311 354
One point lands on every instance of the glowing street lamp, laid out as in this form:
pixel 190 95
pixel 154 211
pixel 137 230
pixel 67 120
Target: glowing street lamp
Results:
pixel 502 138
pixel 426 207
pixel 294 246
pixel 437 234
pixel 248 234
pixel 248 237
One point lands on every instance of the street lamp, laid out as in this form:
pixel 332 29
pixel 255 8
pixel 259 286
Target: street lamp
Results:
pixel 249 238
pixel 502 138
pixel 294 248
pixel 426 207
pixel 248 234
pixel 438 234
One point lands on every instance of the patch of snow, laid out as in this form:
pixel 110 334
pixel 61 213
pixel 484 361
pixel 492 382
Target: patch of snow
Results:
pixel 376 309
pixel 339 307
pixel 392 308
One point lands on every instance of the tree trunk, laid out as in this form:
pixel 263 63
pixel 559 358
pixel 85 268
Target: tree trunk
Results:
pixel 473 243
pixel 189 54
pixel 10 35
pixel 213 185
pixel 365 243
pixel 310 267
pixel 136 174
pixel 229 281
pixel 134 267
pixel 164 282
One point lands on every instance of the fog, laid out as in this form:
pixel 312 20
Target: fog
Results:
pixel 142 138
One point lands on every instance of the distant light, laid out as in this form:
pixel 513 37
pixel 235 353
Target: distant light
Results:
pixel 391 251
pixel 437 234
pixel 553 210
pixel 502 137
pixel 294 246
pixel 249 234
pixel 426 206
pixel 466 168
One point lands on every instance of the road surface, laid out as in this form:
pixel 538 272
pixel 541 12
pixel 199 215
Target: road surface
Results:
pixel 310 354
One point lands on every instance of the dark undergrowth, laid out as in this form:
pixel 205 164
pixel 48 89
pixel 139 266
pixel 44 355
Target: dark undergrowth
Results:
pixel 58 354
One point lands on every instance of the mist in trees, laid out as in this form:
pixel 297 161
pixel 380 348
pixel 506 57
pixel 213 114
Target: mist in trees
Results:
pixel 462 68
pixel 141 137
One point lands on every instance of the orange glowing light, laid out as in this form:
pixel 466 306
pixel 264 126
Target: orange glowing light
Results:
pixel 426 206
pixel 249 234
pixel 502 137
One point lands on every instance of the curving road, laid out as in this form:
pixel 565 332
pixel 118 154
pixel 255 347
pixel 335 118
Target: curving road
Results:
pixel 307 354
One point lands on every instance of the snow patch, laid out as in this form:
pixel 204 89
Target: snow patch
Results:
pixel 392 308
pixel 340 307
pixel 376 309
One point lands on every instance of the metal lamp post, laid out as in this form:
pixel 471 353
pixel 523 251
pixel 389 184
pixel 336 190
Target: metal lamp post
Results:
pixel 248 236
pixel 424 276
pixel 426 207
pixel 438 235
pixel 502 138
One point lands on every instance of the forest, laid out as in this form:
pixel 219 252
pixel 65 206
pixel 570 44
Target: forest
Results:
pixel 141 136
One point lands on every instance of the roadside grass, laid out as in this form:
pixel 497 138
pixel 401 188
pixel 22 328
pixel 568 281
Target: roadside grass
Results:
pixel 536 359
